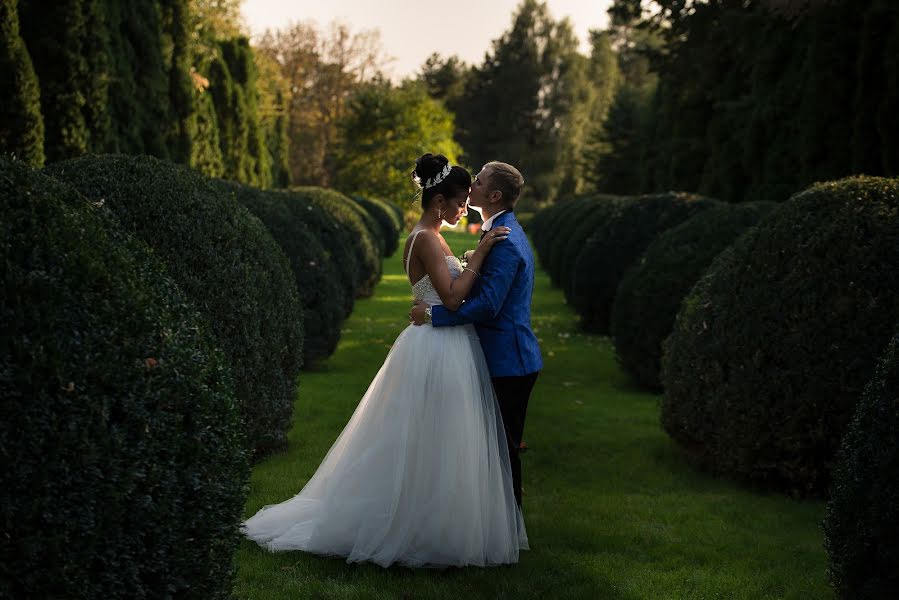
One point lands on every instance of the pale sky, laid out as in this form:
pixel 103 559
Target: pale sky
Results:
pixel 413 29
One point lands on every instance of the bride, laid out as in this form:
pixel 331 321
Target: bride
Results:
pixel 420 475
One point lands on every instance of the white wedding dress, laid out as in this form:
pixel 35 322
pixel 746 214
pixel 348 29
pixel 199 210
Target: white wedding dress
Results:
pixel 420 475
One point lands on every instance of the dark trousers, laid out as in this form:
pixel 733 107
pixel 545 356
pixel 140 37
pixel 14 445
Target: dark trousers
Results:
pixel 512 394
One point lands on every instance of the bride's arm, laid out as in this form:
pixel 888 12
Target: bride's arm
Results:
pixel 453 291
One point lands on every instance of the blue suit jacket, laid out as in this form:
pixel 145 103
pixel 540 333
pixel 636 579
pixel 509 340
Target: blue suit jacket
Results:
pixel 499 305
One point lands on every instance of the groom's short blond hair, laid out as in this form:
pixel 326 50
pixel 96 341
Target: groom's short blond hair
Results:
pixel 507 179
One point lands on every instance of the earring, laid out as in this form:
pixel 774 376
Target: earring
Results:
pixel 439 213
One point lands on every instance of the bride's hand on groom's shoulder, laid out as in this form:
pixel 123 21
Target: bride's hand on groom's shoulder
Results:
pixel 497 234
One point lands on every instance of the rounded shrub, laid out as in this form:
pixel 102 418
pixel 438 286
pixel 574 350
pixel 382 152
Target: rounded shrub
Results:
pixel 617 243
pixel 542 223
pixel 124 466
pixel 571 216
pixel 228 265
pixel 576 235
pixel 317 277
pixel 771 349
pixel 651 291
pixel 336 241
pixel 370 222
pixel 388 222
pixel 861 527
pixel 362 240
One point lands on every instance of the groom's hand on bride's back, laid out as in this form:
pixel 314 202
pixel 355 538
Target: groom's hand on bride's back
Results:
pixel 417 314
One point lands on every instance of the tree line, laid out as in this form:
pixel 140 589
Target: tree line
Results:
pixel 740 100
pixel 752 99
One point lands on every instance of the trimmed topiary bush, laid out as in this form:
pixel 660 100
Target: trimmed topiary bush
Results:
pixel 317 278
pixel 362 239
pixel 861 528
pixel 571 216
pixel 616 244
pixel 577 234
pixel 772 348
pixel 542 223
pixel 387 220
pixel 651 291
pixel 228 265
pixel 371 225
pixel 336 241
pixel 123 452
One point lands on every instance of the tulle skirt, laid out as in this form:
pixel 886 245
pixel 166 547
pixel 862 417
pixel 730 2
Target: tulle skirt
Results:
pixel 419 476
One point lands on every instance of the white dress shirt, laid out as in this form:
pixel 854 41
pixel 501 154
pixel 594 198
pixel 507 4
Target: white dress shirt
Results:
pixel 488 224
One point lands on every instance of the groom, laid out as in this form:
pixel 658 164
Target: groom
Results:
pixel 500 305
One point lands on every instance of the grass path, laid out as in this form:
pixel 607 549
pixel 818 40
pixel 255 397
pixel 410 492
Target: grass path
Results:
pixel 612 511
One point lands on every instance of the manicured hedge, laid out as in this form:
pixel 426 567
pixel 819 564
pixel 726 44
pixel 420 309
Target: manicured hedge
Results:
pixel 388 222
pixel 541 224
pixel 651 291
pixel 336 241
pixel 317 277
pixel 560 234
pixel 227 264
pixel 124 467
pixel 362 239
pixel 773 346
pixel 862 523
pixel 617 243
pixel 576 235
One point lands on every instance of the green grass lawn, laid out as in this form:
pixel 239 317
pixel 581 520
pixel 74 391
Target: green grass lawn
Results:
pixel 612 510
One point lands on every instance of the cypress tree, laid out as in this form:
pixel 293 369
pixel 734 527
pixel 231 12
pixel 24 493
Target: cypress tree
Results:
pixel 21 123
pixel 872 36
pixel 206 149
pixel 55 40
pixel 227 100
pixel 183 126
pixel 279 143
pixel 96 78
pixel 139 88
pixel 888 115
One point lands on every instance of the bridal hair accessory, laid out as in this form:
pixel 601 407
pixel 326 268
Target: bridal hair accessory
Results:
pixel 436 179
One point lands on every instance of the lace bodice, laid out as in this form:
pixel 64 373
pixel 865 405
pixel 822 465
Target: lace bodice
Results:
pixel 424 290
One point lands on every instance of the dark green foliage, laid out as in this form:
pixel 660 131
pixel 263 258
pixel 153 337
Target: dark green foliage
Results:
pixel 354 232
pixel 771 349
pixel 97 118
pixel 534 92
pixel 226 262
pixel 542 230
pixel 371 225
pixel 388 223
pixel 573 210
pixel 651 291
pixel 538 225
pixel 617 243
pixel 398 213
pixel 206 150
pixel 861 528
pixel 55 40
pixel 21 123
pixel 182 129
pixel 755 105
pixel 124 468
pixel 317 277
pixel 335 239
pixel 278 141
pixel 561 251
pixel 233 86
pixel 139 85
pixel 600 213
